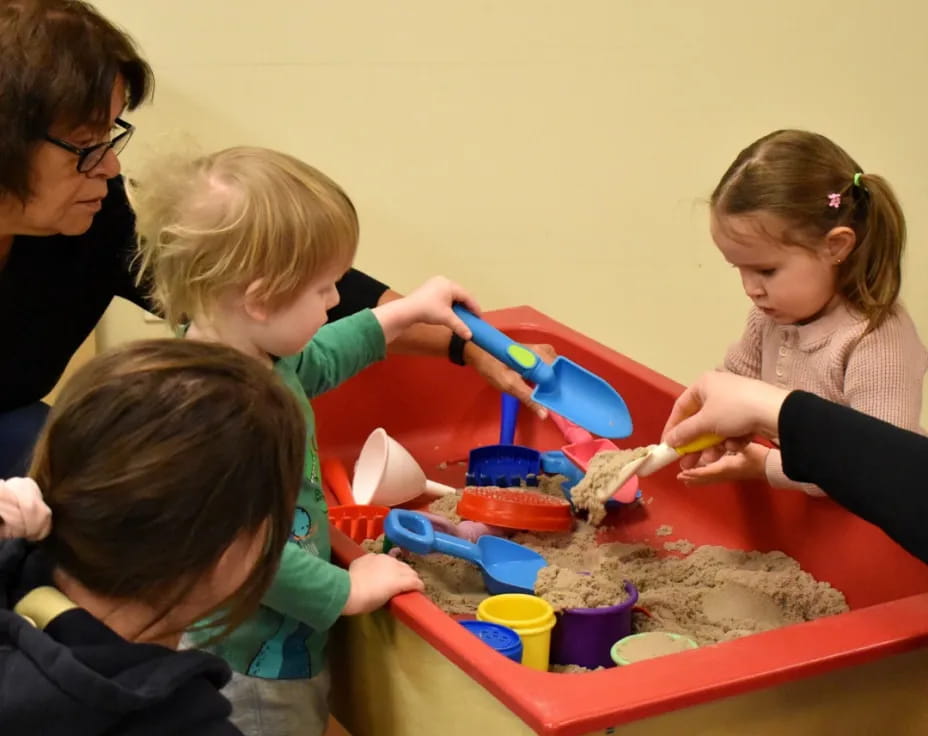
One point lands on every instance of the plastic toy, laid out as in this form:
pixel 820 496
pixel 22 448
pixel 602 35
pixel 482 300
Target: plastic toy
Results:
pixel 561 386
pixel 507 567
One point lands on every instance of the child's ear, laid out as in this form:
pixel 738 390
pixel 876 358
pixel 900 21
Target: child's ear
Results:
pixel 839 242
pixel 254 304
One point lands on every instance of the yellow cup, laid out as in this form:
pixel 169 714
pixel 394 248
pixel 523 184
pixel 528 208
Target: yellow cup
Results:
pixel 530 617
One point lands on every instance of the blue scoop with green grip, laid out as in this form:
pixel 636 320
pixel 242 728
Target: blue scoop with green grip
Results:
pixel 562 386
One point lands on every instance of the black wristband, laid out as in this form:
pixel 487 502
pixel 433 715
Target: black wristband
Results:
pixel 456 349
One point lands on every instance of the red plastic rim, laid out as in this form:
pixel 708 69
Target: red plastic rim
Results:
pixel 513 509
pixel 359 522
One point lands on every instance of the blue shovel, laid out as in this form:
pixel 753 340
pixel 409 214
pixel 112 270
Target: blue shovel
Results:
pixel 507 567
pixel 562 386
pixel 504 464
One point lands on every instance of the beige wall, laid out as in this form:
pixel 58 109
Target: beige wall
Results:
pixel 549 153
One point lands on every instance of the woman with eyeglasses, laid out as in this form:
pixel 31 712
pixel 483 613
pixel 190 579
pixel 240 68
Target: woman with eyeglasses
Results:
pixel 69 80
pixel 66 230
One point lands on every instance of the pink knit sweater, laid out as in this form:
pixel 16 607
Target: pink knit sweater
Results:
pixel 880 373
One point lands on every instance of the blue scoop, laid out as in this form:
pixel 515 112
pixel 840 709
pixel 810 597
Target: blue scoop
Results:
pixel 507 567
pixel 562 386
pixel 505 464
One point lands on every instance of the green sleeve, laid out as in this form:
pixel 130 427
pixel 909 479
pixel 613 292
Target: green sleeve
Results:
pixel 308 588
pixel 339 351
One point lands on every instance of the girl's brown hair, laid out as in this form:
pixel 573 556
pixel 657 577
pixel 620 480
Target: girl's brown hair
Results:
pixel 156 457
pixel 792 174
pixel 59 60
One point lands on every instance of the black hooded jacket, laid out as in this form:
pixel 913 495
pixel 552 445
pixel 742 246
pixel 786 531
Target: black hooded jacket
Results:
pixel 77 676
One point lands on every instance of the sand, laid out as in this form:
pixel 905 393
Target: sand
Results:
pixel 565 588
pixel 568 669
pixel 709 594
pixel 712 594
pixel 551 485
pixel 601 479
pixel 716 594
pixel 683 546
pixel 651 645
pixel 446 505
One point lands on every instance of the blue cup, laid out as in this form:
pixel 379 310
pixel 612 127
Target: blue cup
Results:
pixel 503 639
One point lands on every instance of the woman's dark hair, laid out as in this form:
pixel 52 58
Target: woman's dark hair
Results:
pixel 59 61
pixel 156 457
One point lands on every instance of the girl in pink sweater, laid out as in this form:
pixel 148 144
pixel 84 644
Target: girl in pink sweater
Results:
pixel 818 245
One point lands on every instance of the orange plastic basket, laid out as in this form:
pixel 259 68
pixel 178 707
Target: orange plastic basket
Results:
pixel 359 522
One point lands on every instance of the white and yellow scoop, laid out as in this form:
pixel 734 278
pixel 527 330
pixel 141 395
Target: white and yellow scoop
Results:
pixel 657 458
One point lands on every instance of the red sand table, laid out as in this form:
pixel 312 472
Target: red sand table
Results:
pixel 843 674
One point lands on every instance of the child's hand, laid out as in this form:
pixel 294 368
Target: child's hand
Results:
pixel 375 579
pixel 433 301
pixel 430 303
pixel 23 513
pixel 710 455
pixel 718 467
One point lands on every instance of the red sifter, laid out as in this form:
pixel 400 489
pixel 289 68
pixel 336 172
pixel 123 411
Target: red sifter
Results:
pixel 515 509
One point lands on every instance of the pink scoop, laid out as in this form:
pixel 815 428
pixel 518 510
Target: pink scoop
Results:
pixel 581 448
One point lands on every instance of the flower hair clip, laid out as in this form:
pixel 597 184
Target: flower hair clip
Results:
pixel 834 200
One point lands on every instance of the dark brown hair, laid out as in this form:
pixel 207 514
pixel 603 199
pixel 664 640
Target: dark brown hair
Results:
pixel 59 60
pixel 791 174
pixel 156 456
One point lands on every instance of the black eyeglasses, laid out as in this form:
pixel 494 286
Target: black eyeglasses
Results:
pixel 90 157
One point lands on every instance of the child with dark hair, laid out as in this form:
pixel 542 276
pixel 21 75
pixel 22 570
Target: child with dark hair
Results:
pixel 168 472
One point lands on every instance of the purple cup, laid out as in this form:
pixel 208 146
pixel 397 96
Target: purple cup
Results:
pixel 585 636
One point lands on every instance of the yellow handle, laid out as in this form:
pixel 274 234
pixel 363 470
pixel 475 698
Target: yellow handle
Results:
pixel 698 445
pixel 43 605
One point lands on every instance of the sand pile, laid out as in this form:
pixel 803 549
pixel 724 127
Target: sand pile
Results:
pixel 602 478
pixel 712 594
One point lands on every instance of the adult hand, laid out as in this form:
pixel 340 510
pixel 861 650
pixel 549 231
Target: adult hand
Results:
pixel 727 405
pixel 503 378
pixel 422 339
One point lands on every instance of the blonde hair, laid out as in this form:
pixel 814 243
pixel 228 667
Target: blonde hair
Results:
pixel 235 217
pixel 792 174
